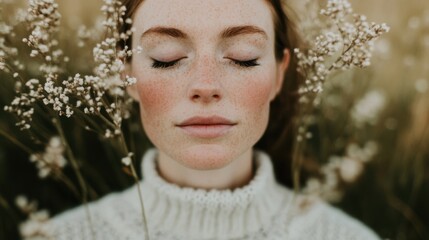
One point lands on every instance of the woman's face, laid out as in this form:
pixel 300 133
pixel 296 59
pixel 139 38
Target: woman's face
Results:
pixel 205 77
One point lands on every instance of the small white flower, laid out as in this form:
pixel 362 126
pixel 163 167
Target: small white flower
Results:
pixel 51 159
pixel 34 53
pixel 43 48
pixel 368 108
pixel 21 202
pixel 127 160
pixel 350 169
pixel 25 205
pixel 34 226
pixel 313 186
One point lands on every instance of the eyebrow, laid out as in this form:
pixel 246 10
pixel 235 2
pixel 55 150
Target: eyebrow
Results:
pixel 168 31
pixel 227 33
pixel 240 30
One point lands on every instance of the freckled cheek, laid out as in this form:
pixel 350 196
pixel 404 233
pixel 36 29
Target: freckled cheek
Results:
pixel 156 99
pixel 254 101
pixel 255 96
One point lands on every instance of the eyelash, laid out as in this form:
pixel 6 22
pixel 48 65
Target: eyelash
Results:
pixel 247 64
pixel 244 64
pixel 159 64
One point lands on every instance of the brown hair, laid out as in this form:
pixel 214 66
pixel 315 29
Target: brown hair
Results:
pixel 278 139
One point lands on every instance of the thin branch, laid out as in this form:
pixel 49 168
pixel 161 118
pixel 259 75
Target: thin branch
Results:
pixel 75 166
pixel 16 142
pixel 136 179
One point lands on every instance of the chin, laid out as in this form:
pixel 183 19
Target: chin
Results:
pixel 206 156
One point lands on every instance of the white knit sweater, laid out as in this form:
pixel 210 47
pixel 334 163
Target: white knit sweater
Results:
pixel 261 210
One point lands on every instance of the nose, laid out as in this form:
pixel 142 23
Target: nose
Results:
pixel 205 85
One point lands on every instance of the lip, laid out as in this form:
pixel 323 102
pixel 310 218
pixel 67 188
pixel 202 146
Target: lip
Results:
pixel 206 127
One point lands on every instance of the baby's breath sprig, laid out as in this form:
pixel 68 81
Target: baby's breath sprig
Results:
pixel 43 20
pixel 101 94
pixel 8 52
pixel 341 170
pixel 346 43
pixel 33 227
pixel 97 101
pixel 52 159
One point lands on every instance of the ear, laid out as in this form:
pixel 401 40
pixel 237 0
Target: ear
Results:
pixel 131 90
pixel 282 67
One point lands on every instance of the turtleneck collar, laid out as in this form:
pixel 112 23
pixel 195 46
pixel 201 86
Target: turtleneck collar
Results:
pixel 212 214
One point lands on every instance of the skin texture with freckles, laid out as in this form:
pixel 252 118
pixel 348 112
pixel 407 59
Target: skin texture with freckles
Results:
pixel 205 80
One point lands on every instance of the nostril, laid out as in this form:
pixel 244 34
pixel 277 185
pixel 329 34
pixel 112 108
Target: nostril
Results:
pixel 195 97
pixel 205 96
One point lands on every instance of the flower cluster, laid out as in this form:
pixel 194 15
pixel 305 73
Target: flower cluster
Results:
pixel 347 44
pixel 352 164
pixel 341 169
pixel 51 160
pixel 345 41
pixel 96 101
pixel 43 19
pixel 6 50
pixel 337 9
pixel 32 228
pixel 85 35
pixel 22 107
pixel 101 94
pixel 367 109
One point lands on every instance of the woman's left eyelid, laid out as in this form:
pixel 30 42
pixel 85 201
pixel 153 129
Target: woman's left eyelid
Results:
pixel 243 59
pixel 243 56
pixel 167 57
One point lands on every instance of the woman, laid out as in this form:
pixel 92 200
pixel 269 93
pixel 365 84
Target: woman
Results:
pixel 206 77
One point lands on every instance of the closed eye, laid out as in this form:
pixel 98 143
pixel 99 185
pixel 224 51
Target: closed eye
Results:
pixel 161 64
pixel 246 64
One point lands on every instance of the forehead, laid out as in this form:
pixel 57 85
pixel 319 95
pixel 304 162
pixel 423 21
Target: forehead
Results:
pixel 203 16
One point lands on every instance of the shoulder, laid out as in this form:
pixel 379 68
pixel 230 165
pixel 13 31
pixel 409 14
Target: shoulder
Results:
pixel 318 220
pixel 102 217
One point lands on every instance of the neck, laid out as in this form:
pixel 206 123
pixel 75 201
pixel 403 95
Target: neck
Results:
pixel 236 174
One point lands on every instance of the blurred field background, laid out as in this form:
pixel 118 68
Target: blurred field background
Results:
pixel 392 194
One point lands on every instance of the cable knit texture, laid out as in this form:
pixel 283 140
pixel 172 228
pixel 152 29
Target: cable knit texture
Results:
pixel 263 209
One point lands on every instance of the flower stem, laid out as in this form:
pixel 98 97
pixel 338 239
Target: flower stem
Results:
pixel 296 164
pixel 15 141
pixel 4 203
pixel 134 173
pixel 61 177
pixel 75 166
